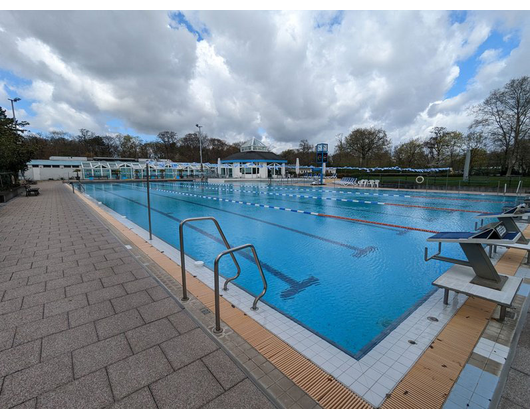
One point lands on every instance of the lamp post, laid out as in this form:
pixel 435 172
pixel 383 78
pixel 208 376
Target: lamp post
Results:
pixel 13 109
pixel 200 147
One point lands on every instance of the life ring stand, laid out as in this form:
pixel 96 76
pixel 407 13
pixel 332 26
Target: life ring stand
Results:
pixel 420 179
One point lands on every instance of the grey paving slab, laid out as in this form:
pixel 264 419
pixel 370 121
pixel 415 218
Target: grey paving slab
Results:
pixel 6 338
pixel 151 334
pixel 141 399
pixel 119 323
pixel 35 380
pixel 137 371
pixel 82 323
pixel 18 358
pixel 106 293
pixel 68 340
pixel 101 354
pixel 90 313
pixel 159 309
pixel 244 395
pixel 189 387
pixel 131 301
pixel 224 369
pixel 517 388
pixel 188 347
pixel 91 391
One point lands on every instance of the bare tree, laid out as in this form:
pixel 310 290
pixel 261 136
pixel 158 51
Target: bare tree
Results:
pixel 169 141
pixel 504 115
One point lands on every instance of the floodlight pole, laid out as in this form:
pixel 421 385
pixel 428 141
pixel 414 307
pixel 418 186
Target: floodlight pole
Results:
pixel 200 147
pixel 13 109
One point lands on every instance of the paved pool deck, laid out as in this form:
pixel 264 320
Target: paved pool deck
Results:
pixel 84 325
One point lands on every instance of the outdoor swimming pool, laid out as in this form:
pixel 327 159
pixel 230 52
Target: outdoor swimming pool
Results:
pixel 346 264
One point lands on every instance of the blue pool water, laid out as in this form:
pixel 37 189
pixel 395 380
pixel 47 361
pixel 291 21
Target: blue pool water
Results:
pixel 345 280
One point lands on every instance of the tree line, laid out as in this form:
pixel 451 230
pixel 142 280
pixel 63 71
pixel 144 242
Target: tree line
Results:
pixel 498 140
pixel 168 145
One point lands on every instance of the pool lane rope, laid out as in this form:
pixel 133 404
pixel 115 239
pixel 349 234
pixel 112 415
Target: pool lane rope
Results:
pixel 338 199
pixel 355 192
pixel 266 206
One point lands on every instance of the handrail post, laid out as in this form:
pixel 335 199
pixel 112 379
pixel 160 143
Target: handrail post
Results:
pixel 183 262
pixel 148 201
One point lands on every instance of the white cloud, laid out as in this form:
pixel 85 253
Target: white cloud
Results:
pixel 292 75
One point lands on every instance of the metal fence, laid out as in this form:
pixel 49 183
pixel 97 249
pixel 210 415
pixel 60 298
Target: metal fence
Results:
pixel 446 182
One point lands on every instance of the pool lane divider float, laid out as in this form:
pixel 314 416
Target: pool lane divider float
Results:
pixel 266 206
pixel 343 200
pixel 351 192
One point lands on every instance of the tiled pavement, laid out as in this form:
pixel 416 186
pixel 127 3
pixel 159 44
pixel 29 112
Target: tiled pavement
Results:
pixel 83 325
pixel 517 388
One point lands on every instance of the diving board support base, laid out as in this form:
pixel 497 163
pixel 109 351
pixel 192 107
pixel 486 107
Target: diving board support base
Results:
pixel 459 279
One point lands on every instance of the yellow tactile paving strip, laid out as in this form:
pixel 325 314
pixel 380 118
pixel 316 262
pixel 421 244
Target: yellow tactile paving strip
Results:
pixel 426 385
pixel 321 386
pixel 430 380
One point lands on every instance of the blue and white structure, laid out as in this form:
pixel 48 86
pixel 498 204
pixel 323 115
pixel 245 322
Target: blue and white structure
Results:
pixel 254 161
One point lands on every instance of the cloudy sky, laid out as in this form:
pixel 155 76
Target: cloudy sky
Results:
pixel 280 76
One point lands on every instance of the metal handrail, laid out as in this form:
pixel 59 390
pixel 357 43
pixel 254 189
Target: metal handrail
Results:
pixel 231 251
pixel 439 257
pixel 183 257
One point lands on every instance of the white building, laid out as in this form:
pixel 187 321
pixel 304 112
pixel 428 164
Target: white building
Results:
pixel 254 161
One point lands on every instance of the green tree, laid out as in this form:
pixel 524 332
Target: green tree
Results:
pixel 367 144
pixel 15 150
pixel 410 154
pixel 129 146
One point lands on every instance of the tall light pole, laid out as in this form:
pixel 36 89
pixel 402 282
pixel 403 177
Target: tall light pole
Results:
pixel 200 147
pixel 13 109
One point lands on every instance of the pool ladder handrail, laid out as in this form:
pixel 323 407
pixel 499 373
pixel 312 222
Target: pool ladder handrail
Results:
pixel 230 251
pixel 80 187
pixel 183 256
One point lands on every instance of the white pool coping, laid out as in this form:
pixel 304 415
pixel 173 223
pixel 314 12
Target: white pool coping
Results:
pixel 373 376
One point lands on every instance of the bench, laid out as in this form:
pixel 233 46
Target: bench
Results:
pixel 31 191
